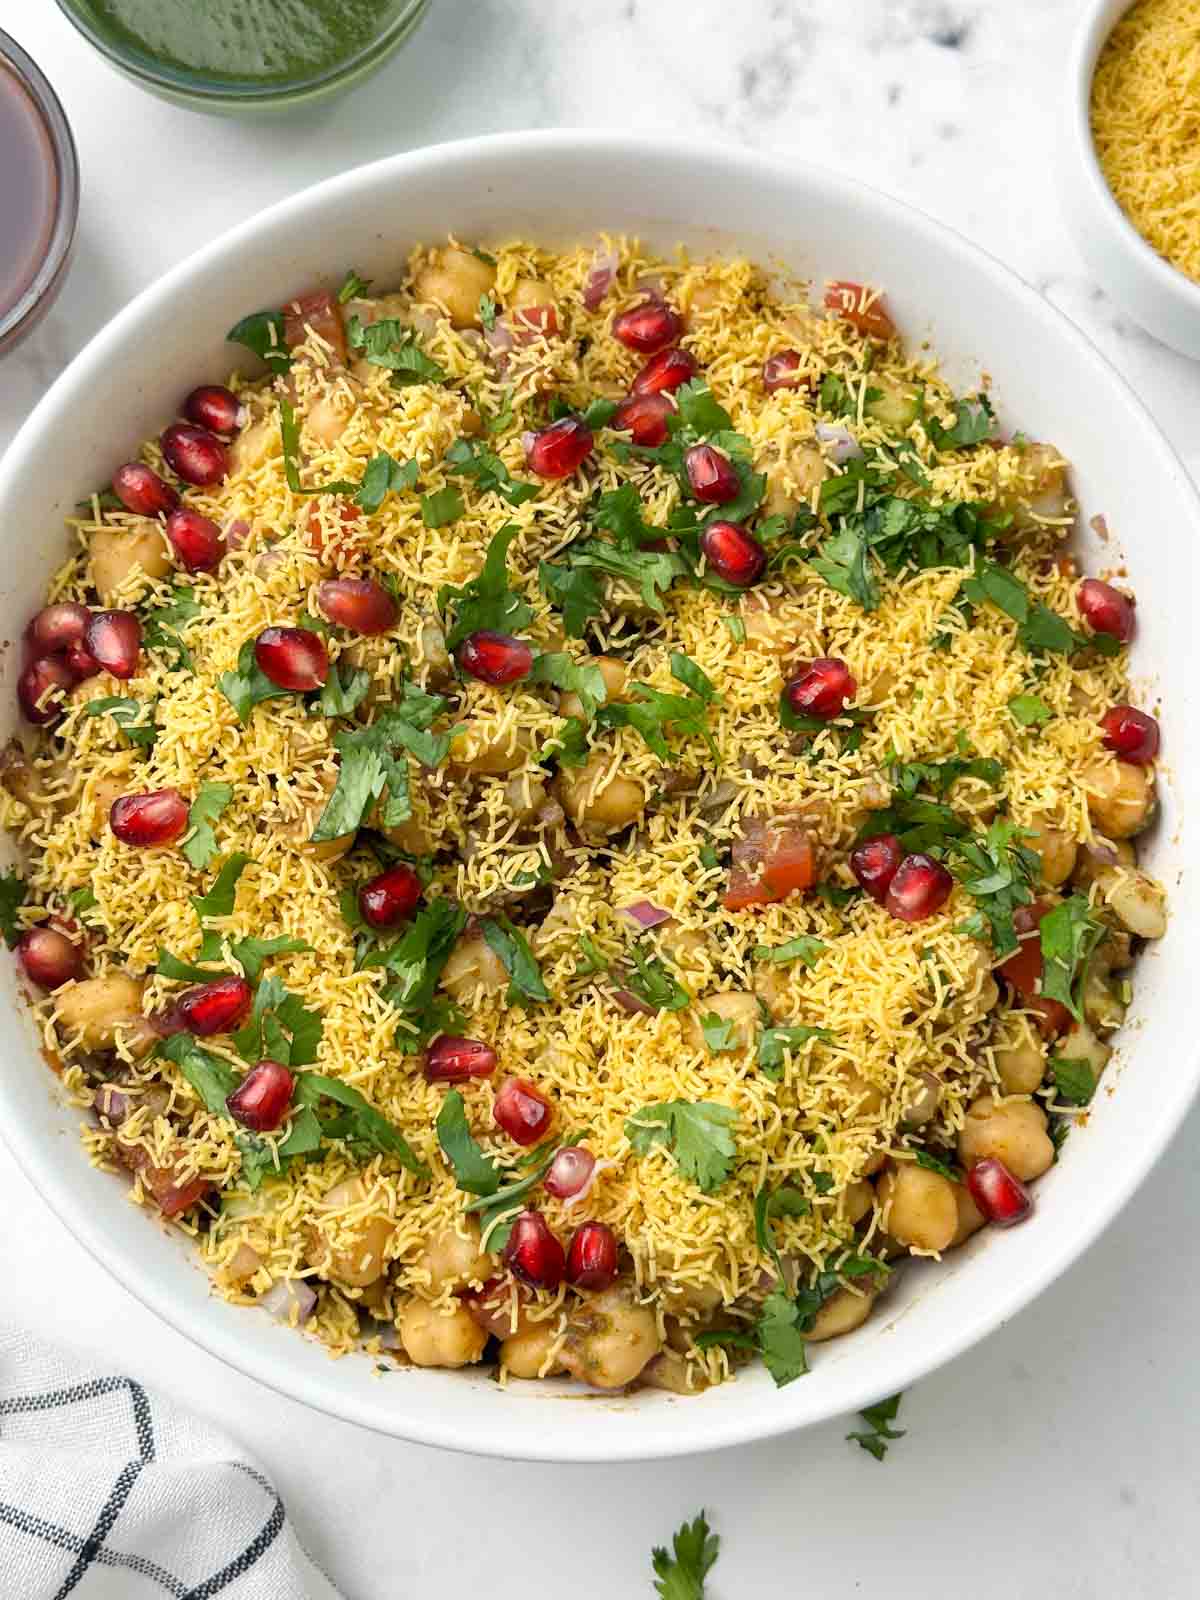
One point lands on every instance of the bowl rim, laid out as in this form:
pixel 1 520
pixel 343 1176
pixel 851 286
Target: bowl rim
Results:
pixel 1090 35
pixel 658 1438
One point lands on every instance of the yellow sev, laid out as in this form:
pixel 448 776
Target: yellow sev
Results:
pixel 1146 124
pixel 898 1000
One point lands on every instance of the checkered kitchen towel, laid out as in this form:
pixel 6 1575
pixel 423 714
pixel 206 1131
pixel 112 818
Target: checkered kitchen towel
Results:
pixel 108 1492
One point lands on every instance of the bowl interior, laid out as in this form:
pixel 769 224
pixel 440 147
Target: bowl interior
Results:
pixel 1046 380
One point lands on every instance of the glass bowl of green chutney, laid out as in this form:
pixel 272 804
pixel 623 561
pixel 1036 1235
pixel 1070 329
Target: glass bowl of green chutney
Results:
pixel 245 57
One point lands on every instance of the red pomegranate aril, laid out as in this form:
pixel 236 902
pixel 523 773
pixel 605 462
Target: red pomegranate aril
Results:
pixel 359 604
pixel 733 554
pixel 491 1307
pixel 1131 734
pixel 262 1098
pixel 1002 1198
pixel 159 817
pixel 1106 609
pixel 874 864
pixel 556 451
pixel 82 662
pixel 214 407
pixel 710 475
pixel 644 416
pixel 391 897
pixel 570 1172
pixel 114 640
pixel 194 454
pixel 217 1007
pixel 452 1059
pixel 293 658
pixel 35 683
pixel 58 627
pixel 666 371
pixel 521 1111
pixel 140 490
pixel 495 657
pixel 592 1257
pixel 920 887
pixel 48 957
pixel 783 371
pixel 196 540
pixel 647 327
pixel 821 689
pixel 533 1254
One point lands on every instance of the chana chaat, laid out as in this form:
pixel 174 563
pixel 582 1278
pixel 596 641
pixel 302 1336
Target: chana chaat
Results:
pixel 581 817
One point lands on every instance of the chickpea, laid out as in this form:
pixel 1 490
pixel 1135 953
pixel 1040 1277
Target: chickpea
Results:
pixel 327 420
pixel 684 947
pixel 1043 491
pixel 1135 899
pixel 867 1098
pixel 970 1218
pixel 1082 1044
pixel 670 1370
pixel 451 1259
pixel 1057 848
pixel 1120 797
pixel 1021 1060
pixel 772 986
pixel 524 794
pixel 456 279
pixel 924 1098
pixel 598 800
pixel 525 1354
pixel 1104 1004
pixel 691 1301
pixel 98 1010
pixel 613 672
pixel 918 1207
pixel 253 446
pixel 735 1006
pixel 1014 1133
pixel 23 780
pixel 858 1200
pixel 115 552
pixel 348 1242
pixel 845 1310
pixel 1094 861
pixel 610 1339
pixel 435 1338
pixel 491 753
pixel 472 968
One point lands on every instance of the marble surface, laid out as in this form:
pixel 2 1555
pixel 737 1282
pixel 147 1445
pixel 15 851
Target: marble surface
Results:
pixel 1061 1455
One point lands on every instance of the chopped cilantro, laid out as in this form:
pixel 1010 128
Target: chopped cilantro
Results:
pixel 973 419
pixel 774 1041
pixel 805 949
pixel 126 713
pixel 360 1123
pixel 390 343
pixel 685 671
pixel 414 963
pixel 353 287
pixel 879 1419
pixel 931 1163
pixel 680 1573
pixel 370 763
pixel 941 776
pixel 441 508
pixel 470 458
pixel 654 983
pixel 780 1332
pixel 281 1028
pixel 487 311
pixel 262 332
pixel 575 591
pixel 249 685
pixel 200 841
pixel 474 1172
pixel 718 1033
pixel 1029 711
pixel 998 872
pixel 565 673
pixel 512 947
pixel 289 434
pixel 737 628
pixel 13 890
pixel 1075 1081
pixel 252 953
pixel 1069 935
pixel 1038 628
pixel 592 959
pixel 486 601
pixel 653 712
pixel 344 689
pixel 383 473
pixel 159 631
pixel 697 1134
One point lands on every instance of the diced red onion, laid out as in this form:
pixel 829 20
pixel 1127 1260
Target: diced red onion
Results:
pixel 288 1292
pixel 578 1199
pixel 845 445
pixel 600 277
pixel 499 338
pixel 236 533
pixel 652 285
pixel 628 1001
pixel 645 914
pixel 569 1172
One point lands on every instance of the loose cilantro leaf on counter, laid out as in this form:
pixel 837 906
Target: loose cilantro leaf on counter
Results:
pixel 383 473
pixel 472 459
pixel 485 601
pixel 805 949
pixel 249 685
pixel 879 1419
pixel 654 983
pixel 680 1575
pixel 159 629
pixel 696 1133
pixel 200 842
pixel 1069 935
pixel 1075 1081
pixel 512 947
pixel 262 332
pixel 441 508
pixel 718 1033
pixel 126 713
pixel 1029 711
pixel 391 343
pixel 774 1041
pixel 13 890
pixel 998 871
pixel 565 673
pixel 353 287
pixel 360 1122
pixel 474 1171
pixel 973 419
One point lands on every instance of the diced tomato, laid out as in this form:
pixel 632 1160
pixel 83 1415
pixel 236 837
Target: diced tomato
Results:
pixel 852 303
pixel 531 322
pixel 1022 971
pixel 170 1195
pixel 770 860
pixel 320 312
pixel 343 546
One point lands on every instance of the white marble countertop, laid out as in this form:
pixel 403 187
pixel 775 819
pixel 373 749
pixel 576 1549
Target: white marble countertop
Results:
pixel 1061 1456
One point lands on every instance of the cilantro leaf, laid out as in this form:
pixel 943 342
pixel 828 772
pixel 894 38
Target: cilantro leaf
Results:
pixel 696 1133
pixel 487 311
pixel 564 672
pixel 879 1419
pixel 170 966
pixel 486 601
pixel 1029 711
pixel 213 1079
pixel 592 960
pixel 844 564
pixel 1075 1081
pixel 774 1041
pixel 362 778
pixel 125 712
pixel 651 572
pixel 474 1172
pixel 1038 628
pixel 353 287
pixel 276 1015
pixel 681 1575
pixel 718 1033
pixel 369 763
pixel 780 1338
pixel 998 872
pixel 619 512
pixel 383 473
pixel 219 900
pixel 441 508
pixel 249 685
pixel 159 630
pixel 685 671
pixel 362 1123
pixel 569 746
pixel 343 690
pixel 200 842
pixel 932 1164
pixel 251 953
pixel 262 332
pixel 13 891
pixel 414 963
pixel 652 712
pixel 805 949
pixel 941 776
pixel 391 343
pixel 470 458
pixel 973 419
pixel 654 983
pixel 576 593
pixel 511 945
pixel 1069 936
pixel 289 434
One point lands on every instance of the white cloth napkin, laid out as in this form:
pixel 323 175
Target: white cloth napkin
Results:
pixel 109 1492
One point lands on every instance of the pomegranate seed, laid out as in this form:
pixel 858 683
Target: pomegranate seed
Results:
pixel 214 407
pixel 1131 733
pixel 196 540
pixel 521 1111
pixel 782 371
pixel 710 475
pixel 114 640
pixel 159 817
pixel 216 1007
pixel 1002 1198
pixel 453 1059
pixel 570 1172
pixel 1106 609
pixel 262 1098
pixel 495 657
pixel 919 887
pixel 58 627
pixel 81 662
pixel 592 1257
pixel 666 371
pixel 48 957
pixel 648 327
pixel 38 678
pixel 391 897
pixel 360 604
pixel 293 658
pixel 821 689
pixel 533 1254
pixel 194 454
pixel 733 554
pixel 645 417
pixel 140 489
pixel 874 864
pixel 558 450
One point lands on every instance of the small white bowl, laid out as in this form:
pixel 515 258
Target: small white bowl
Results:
pixel 1154 293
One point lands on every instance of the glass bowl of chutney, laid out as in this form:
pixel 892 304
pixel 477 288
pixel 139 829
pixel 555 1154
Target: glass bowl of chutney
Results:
pixel 39 179
pixel 245 57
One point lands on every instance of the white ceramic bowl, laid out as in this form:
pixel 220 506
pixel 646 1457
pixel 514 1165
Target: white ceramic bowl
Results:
pixel 1046 379
pixel 1153 292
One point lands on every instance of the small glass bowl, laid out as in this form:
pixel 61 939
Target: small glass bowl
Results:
pixel 39 293
pixel 197 91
